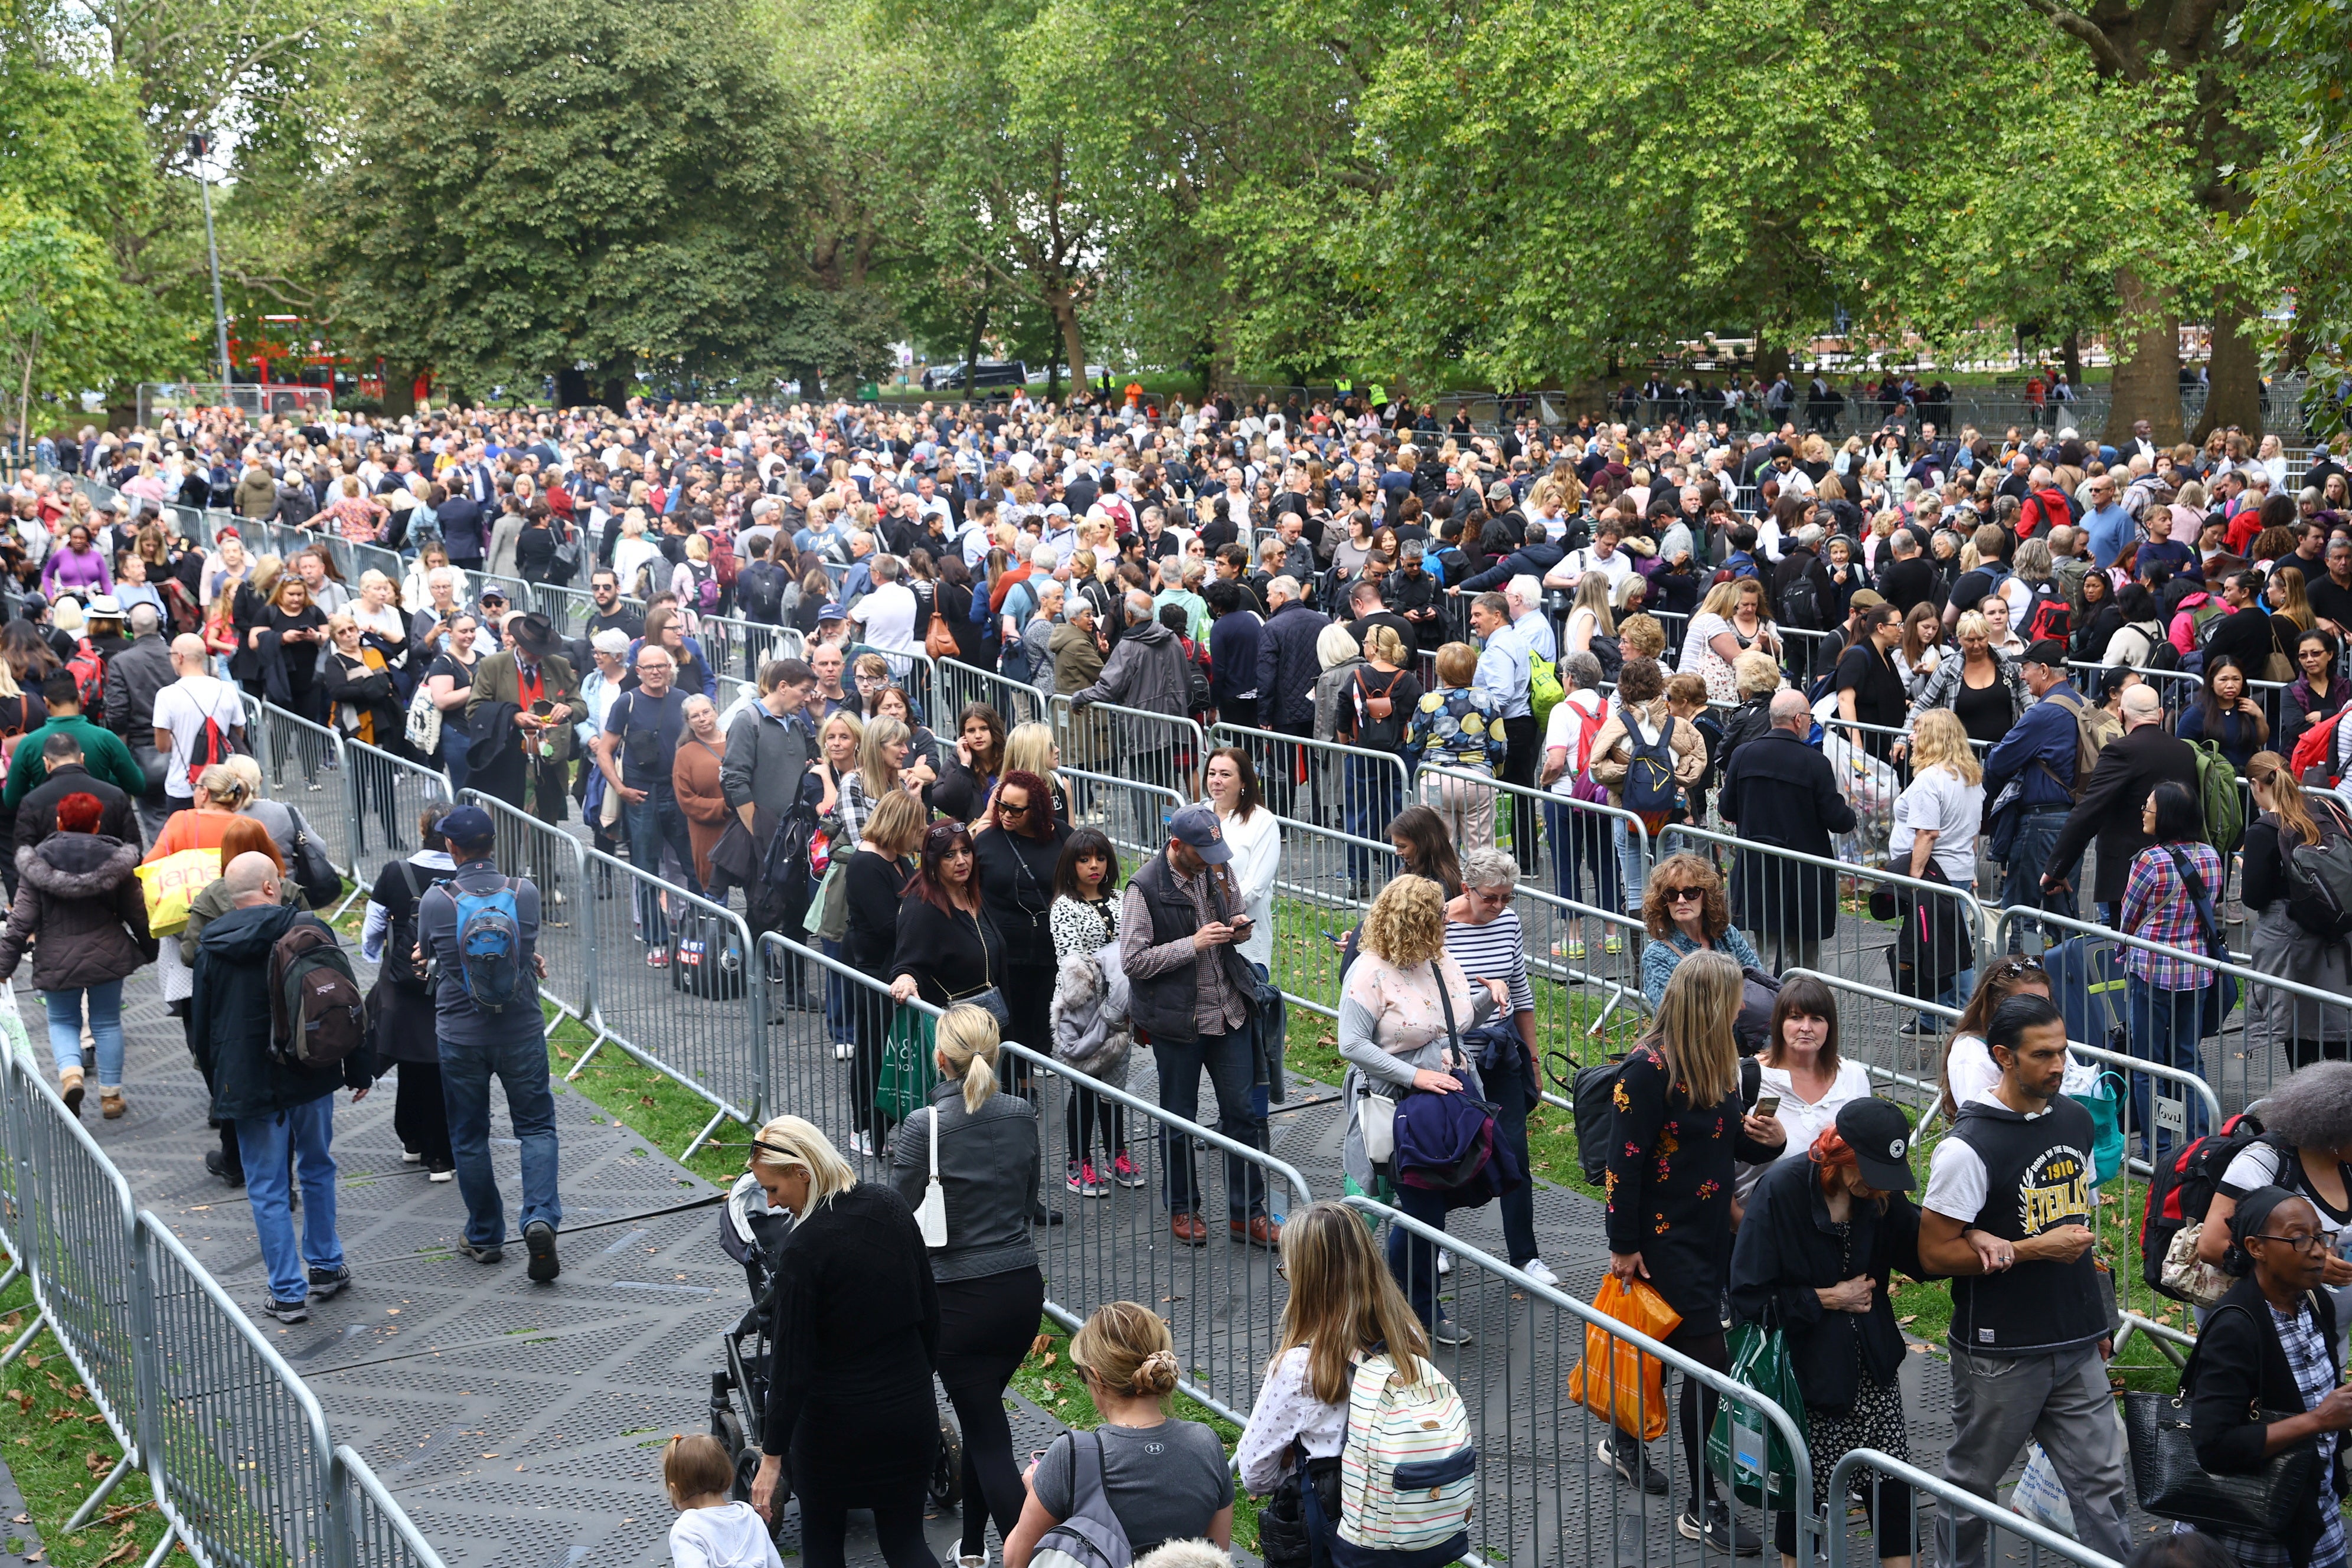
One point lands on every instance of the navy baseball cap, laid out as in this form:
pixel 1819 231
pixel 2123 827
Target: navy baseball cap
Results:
pixel 469 825
pixel 1197 827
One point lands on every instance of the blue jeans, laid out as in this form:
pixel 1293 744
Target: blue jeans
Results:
pixel 1240 1117
pixel 2029 858
pixel 521 1065
pixel 1414 1261
pixel 656 822
pixel 1372 793
pixel 840 1006
pixel 1581 841
pixel 2163 1027
pixel 1633 877
pixel 1955 993
pixel 262 1141
pixel 105 1029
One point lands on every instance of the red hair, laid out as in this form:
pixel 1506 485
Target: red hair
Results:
pixel 1831 1153
pixel 79 813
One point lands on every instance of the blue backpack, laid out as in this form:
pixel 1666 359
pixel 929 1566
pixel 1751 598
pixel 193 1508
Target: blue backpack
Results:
pixel 1651 788
pixel 489 946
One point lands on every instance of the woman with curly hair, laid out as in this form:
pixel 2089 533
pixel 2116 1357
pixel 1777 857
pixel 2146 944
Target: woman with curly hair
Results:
pixel 1685 910
pixel 1402 1007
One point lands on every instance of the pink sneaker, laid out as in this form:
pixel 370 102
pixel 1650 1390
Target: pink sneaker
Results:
pixel 1124 1173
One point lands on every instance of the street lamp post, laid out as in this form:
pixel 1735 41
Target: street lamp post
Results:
pixel 200 145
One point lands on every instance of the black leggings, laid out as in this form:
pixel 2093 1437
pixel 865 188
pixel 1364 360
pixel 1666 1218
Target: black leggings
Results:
pixel 1080 1114
pixel 986 1327
pixel 897 1525
pixel 1698 1403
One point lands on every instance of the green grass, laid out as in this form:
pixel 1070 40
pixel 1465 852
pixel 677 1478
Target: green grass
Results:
pixel 652 1104
pixel 57 1447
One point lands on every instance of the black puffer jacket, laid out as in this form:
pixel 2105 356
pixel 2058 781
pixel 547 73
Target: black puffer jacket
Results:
pixel 228 1021
pixel 82 892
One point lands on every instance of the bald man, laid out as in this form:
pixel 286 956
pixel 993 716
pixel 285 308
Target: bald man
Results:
pixel 2109 809
pixel 284 1112
pixel 199 721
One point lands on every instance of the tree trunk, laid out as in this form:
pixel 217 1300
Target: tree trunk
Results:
pixel 1771 359
pixel 24 400
pixel 2147 380
pixel 1074 342
pixel 971 347
pixel 399 392
pixel 2235 394
pixel 570 387
pixel 2071 353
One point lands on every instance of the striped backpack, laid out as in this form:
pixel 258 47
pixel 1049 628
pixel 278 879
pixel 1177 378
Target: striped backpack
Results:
pixel 1408 1471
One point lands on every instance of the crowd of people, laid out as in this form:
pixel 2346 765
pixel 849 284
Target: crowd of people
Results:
pixel 1499 632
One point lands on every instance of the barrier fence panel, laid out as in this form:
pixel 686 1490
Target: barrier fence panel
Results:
pixel 740 647
pixel 1163 751
pixel 1544 1496
pixel 300 759
pixel 2252 1028
pixel 236 1445
pixel 958 685
pixel 1353 789
pixel 1593 852
pixel 677 986
pixel 387 794
pixel 1223 1300
pixel 2031 1538
pixel 1584 964
pixel 1316 904
pixel 569 610
pixel 75 1222
pixel 1795 908
pixel 911 669
pixel 557 863
pixel 380 1535
pixel 1133 816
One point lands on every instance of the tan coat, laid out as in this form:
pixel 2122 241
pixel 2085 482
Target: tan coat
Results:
pixel 701 796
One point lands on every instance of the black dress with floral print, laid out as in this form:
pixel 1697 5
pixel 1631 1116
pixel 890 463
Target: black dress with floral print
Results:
pixel 1670 1187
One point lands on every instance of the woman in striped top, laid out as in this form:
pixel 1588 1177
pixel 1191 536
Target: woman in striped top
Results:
pixel 1484 936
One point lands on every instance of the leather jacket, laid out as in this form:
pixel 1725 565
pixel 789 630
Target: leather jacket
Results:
pixel 988 1167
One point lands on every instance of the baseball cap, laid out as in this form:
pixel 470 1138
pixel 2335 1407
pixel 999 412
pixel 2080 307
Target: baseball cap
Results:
pixel 2048 651
pixel 1866 599
pixel 469 825
pixel 833 611
pixel 494 592
pixel 1197 827
pixel 1498 491
pixel 1881 1139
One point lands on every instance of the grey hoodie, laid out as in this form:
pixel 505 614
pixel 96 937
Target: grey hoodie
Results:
pixel 1146 671
pixel 1091 1032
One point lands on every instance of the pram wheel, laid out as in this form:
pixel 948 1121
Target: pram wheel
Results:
pixel 947 1465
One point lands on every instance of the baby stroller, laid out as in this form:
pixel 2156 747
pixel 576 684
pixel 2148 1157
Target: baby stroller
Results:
pixel 754 1236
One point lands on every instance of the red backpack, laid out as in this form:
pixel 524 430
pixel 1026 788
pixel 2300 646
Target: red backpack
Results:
pixel 2044 509
pixel 722 558
pixel 88 667
pixel 2316 748
pixel 2051 615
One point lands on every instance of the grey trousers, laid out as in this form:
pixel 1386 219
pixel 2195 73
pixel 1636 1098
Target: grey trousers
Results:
pixel 2063 1402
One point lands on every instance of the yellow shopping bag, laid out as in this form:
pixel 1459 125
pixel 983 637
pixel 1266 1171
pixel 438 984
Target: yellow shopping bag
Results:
pixel 172 883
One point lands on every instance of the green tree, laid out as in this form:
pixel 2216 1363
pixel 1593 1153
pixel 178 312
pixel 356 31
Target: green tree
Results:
pixel 585 191
pixel 67 322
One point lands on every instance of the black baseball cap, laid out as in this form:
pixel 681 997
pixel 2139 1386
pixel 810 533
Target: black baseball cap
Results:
pixel 1881 1141
pixel 2048 651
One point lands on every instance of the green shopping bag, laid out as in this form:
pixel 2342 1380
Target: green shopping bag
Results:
pixel 2105 1103
pixel 904 1085
pixel 1746 1453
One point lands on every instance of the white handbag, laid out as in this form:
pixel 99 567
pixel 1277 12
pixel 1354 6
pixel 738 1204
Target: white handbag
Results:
pixel 931 1216
pixel 1376 1120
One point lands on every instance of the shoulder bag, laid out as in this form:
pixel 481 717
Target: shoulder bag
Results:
pixel 931 1214
pixel 2171 1484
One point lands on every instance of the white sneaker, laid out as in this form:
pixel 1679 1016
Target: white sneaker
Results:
pixel 843 1050
pixel 1445 1263
pixel 1537 1269
pixel 863 1143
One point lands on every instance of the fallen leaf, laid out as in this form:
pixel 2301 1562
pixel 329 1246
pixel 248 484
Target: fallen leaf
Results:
pixel 1043 1344
pixel 1905 1322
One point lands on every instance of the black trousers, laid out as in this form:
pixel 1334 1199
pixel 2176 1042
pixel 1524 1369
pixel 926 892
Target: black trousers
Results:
pixel 986 1327
pixel 1525 740
pixel 420 1117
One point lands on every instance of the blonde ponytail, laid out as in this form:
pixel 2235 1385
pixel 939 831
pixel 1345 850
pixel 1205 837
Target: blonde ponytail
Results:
pixel 967 1050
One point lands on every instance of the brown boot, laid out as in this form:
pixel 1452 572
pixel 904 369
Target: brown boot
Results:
pixel 69 1087
pixel 110 1104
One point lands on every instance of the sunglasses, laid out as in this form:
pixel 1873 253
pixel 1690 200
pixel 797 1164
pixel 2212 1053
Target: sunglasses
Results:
pixel 1676 895
pixel 1006 808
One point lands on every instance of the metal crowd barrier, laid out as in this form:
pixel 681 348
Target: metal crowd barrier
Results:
pixel 278 737
pixel 958 685
pixel 233 1444
pixel 557 863
pixel 2245 1053
pixel 1352 788
pixel 391 791
pixel 1132 814
pixel 2034 1537
pixel 1163 751
pixel 569 610
pixel 1542 1497
pixel 1564 822
pixel 697 1019
pixel 740 646
pixel 1223 1301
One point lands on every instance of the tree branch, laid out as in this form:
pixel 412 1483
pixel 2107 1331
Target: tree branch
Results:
pixel 2087 32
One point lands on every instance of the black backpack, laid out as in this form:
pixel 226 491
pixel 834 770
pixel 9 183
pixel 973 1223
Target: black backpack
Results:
pixel 1800 603
pixel 2181 1190
pixel 1593 1092
pixel 2319 878
pixel 400 968
pixel 760 592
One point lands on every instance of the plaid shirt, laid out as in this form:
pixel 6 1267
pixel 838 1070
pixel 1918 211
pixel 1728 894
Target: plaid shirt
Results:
pixel 2313 1361
pixel 2157 908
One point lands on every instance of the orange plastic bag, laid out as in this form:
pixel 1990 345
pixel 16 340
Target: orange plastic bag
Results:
pixel 1615 1380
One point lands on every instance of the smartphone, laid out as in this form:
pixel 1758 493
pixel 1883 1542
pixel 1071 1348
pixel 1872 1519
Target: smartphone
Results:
pixel 1768 1103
